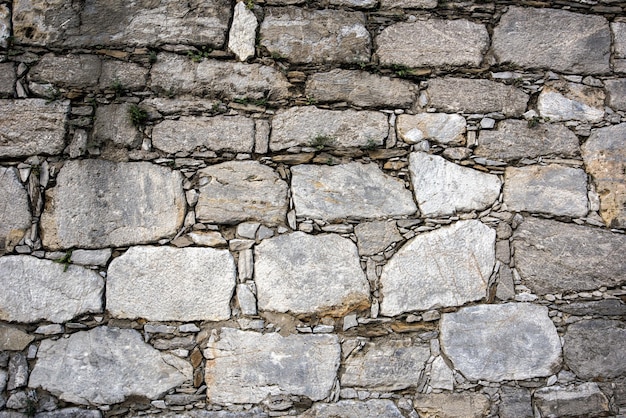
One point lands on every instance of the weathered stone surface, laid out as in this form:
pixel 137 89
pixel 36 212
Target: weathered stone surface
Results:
pixel 444 188
pixel 35 289
pixel 374 237
pixel 352 190
pixel 242 35
pixel 70 413
pixel 316 36
pixel 292 274
pixel 13 339
pixel 451 405
pixel 69 71
pixel 562 101
pixel 5 25
pixel 374 408
pixel 441 376
pixel 446 267
pixel 120 23
pixel 91 257
pixel 163 284
pixel 408 4
pixel 514 139
pixel 7 78
pixel 386 365
pixel 121 74
pixel 616 93
pixel 512 341
pixel 217 133
pixel 604 154
pixel 595 348
pixel 32 126
pixel 309 125
pixel 553 189
pixel 18 371
pixel 113 123
pixel 585 399
pixel 528 37
pixel 14 208
pixel 619 45
pixel 588 258
pixel 475 96
pixel 239 191
pixel 247 366
pixel 360 88
pixel 358 4
pixel 605 307
pixel 515 403
pixel 97 203
pixel 439 127
pixel 254 412
pixel 433 43
pixel 178 74
pixel 96 358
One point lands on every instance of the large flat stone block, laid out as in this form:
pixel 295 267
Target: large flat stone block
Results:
pixel 585 399
pixel 97 203
pixel 163 284
pixel 513 341
pixel 35 290
pixel 452 405
pixel 556 257
pixel 446 267
pixel 245 367
pixel 306 274
pixel 105 366
pixel 32 126
pixel 352 190
pixel 305 36
pixel 529 38
pixel 237 191
pixel 433 43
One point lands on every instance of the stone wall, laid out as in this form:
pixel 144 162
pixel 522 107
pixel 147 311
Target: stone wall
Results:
pixel 351 208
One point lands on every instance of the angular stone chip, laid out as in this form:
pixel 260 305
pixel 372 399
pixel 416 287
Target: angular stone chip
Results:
pixel 529 38
pixel 163 284
pixel 245 367
pixel 98 203
pixel 105 366
pixel 557 257
pixel 32 126
pixel 352 190
pixel 306 274
pixel 512 341
pixel 35 289
pixel 15 218
pixel 446 267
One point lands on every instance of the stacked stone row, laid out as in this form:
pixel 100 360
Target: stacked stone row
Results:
pixel 356 209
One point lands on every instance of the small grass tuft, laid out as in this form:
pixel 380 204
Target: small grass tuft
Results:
pixel 65 260
pixel 322 141
pixel 138 116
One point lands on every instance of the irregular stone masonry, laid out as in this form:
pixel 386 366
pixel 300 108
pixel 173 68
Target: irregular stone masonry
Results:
pixel 404 208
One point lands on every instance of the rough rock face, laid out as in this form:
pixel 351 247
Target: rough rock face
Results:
pixel 581 266
pixel 217 133
pixel 446 267
pixel 96 357
pixel 585 399
pixel 475 96
pixel 303 274
pixel 553 189
pixel 514 139
pixel 515 403
pixel 391 365
pixel 501 342
pixel 374 237
pixel 13 339
pixel 7 77
pixel 69 71
pixel 32 126
pixel 5 25
pixel 560 101
pixel 595 348
pixel 118 23
pixel 617 93
pixel 451 405
pixel 360 88
pixel 529 38
pixel 113 123
pixel 433 43
pixel 178 74
pixel 351 190
pixel 374 408
pixel 97 203
pixel 444 188
pixel 161 284
pixel 316 36
pixel 241 191
pixel 245 367
pixel 604 154
pixel 35 289
pixel 310 126
pixel 14 208
pixel 439 127
pixel 242 35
